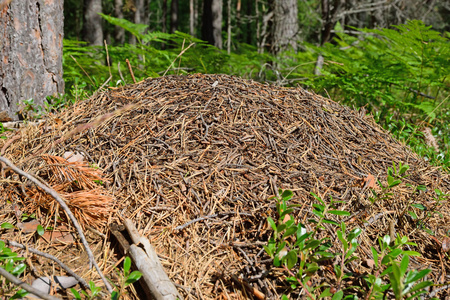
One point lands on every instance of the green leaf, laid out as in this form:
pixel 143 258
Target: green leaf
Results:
pixel 272 223
pixel 291 259
pixel 290 231
pixel 286 212
pixel 312 268
pixel 114 295
pixel 328 221
pixel 20 294
pixel 338 295
pixel 19 269
pixel 342 239
pixel 339 212
pixel 133 277
pixel 75 294
pixel 404 265
pixel 411 253
pixel 325 293
pixel 414 276
pixel 419 206
pixel 281 227
pixel 396 281
pixel 40 230
pixel 317 198
pixel 412 214
pixel 126 265
pixel 286 195
pixel 403 169
pixel 312 244
pixel 421 285
pixel 7 226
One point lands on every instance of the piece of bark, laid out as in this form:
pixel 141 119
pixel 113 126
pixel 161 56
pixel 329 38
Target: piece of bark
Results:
pixel 157 283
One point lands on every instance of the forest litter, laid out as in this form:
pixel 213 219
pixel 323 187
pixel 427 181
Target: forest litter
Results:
pixel 192 161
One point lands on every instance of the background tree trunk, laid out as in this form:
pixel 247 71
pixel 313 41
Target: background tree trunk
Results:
pixel 31 36
pixel 212 22
pixel 192 17
pixel 284 25
pixel 174 16
pixel 137 17
pixel 119 32
pixel 93 30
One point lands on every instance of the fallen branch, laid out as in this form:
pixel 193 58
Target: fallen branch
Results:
pixel 26 286
pixel 63 204
pixel 157 283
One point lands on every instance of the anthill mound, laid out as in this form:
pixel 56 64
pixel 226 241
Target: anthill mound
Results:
pixel 192 160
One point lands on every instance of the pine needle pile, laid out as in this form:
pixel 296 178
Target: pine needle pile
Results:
pixel 192 160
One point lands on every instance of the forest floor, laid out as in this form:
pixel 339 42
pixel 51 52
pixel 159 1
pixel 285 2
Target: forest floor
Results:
pixel 192 161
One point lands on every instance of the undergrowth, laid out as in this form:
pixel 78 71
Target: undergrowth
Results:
pixel 301 249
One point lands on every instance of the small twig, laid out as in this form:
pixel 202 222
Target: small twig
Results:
pixel 181 53
pixel 107 58
pixel 120 73
pixel 131 70
pixel 63 204
pixel 258 294
pixel 83 70
pixel 46 255
pixel 26 286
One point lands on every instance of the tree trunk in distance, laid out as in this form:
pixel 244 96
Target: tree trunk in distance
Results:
pixel 137 17
pixel 174 16
pixel 119 32
pixel 164 16
pixel 93 30
pixel 212 22
pixel 191 18
pixel 329 13
pixel 284 25
pixel 31 49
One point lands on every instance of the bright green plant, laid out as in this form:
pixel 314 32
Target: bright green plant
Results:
pixel 292 246
pixel 126 278
pixel 299 252
pixel 12 263
pixel 94 292
pixel 401 281
pixel 394 178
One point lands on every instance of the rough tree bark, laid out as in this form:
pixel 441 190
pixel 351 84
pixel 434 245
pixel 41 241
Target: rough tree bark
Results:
pixel 283 25
pixel 31 36
pixel 137 17
pixel 93 29
pixel 329 13
pixel 192 17
pixel 212 22
pixel 119 32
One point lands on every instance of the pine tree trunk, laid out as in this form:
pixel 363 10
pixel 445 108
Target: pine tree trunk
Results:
pixel 174 16
pixel 31 36
pixel 192 16
pixel 284 25
pixel 93 30
pixel 119 32
pixel 212 22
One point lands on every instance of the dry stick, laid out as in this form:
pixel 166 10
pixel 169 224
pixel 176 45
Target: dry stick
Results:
pixel 83 70
pixel 46 255
pixel 181 53
pixel 63 204
pixel 131 70
pixel 26 286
